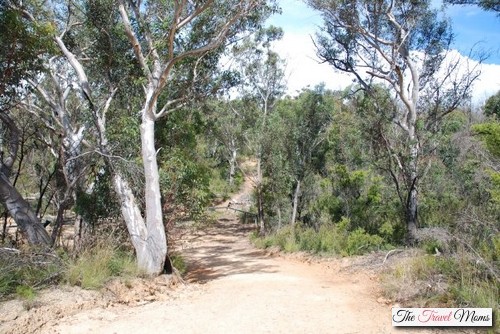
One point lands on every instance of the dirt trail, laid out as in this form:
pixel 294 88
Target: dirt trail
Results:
pixel 234 288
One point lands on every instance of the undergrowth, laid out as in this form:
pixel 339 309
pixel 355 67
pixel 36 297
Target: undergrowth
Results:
pixel 178 263
pixel 22 274
pixel 96 266
pixel 452 280
pixel 329 238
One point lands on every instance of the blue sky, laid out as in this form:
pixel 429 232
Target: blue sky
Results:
pixel 472 26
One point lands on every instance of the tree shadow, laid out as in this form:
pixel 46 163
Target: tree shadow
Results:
pixel 222 250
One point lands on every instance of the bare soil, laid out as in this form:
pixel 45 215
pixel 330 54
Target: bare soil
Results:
pixel 230 287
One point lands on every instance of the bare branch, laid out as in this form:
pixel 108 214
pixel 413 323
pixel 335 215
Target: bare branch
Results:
pixel 136 45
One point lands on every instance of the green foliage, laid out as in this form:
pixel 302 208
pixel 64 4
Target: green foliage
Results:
pixel 184 174
pixel 24 273
pixel 25 292
pixel 431 245
pixel 22 51
pixel 100 202
pixel 185 185
pixel 96 266
pixel 178 262
pixel 361 196
pixel 492 106
pixel 495 191
pixel 441 200
pixel 443 281
pixel 220 189
pixel 490 134
pixel 491 5
pixel 329 238
pixel 359 242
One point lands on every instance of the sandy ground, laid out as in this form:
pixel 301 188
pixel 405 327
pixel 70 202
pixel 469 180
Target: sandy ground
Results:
pixel 231 287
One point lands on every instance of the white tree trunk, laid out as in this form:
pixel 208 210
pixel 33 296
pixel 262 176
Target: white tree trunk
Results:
pixel 232 161
pixel 279 218
pixel 156 236
pixel 147 252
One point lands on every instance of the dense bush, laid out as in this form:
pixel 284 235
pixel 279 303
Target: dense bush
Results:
pixel 333 239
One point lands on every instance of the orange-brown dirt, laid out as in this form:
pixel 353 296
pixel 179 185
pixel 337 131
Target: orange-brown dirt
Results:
pixel 230 287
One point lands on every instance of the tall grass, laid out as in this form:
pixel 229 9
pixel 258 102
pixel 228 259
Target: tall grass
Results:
pixel 329 239
pixel 443 281
pixel 23 273
pixel 96 266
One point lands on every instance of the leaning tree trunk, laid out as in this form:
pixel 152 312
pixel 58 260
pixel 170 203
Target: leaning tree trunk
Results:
pixel 23 214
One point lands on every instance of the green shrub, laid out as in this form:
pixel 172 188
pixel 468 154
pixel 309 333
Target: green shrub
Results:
pixel 94 267
pixel 430 246
pixel 443 281
pixel 178 263
pixel 329 238
pixel 309 240
pixel 25 292
pixel 284 238
pixel 359 242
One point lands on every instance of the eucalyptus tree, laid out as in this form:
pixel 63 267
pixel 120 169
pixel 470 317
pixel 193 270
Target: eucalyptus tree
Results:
pixel 57 105
pixel 22 47
pixel 226 131
pixel 308 119
pixel 57 100
pixel 175 45
pixel 164 37
pixel 262 72
pixel 403 44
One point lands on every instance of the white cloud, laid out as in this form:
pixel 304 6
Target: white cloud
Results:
pixel 303 69
pixel 487 84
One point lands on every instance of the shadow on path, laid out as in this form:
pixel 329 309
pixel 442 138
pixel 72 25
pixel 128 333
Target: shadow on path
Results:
pixel 223 250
